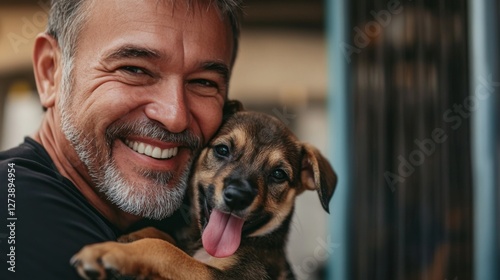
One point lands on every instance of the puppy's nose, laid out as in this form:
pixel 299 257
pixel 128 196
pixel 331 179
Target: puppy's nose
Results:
pixel 238 194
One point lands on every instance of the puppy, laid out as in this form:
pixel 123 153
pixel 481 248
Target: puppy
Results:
pixel 242 192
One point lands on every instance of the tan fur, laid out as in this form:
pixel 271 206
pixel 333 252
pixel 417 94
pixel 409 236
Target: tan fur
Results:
pixel 219 263
pixel 148 232
pixel 238 136
pixel 281 210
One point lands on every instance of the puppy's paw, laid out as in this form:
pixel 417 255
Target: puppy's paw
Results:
pixel 149 232
pixel 109 260
pixel 131 237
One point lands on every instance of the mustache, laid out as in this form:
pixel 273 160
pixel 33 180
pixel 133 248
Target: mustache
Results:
pixel 150 129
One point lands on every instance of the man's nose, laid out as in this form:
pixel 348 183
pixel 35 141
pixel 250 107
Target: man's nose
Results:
pixel 170 107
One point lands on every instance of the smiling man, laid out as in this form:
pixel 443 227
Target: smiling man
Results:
pixel 132 90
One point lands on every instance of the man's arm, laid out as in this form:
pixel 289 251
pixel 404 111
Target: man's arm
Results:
pixel 46 220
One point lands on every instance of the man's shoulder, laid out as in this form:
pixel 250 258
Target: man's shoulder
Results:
pixel 31 159
pixel 51 220
pixel 24 149
pixel 37 180
pixel 41 192
pixel 27 152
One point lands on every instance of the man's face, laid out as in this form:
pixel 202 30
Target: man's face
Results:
pixel 149 82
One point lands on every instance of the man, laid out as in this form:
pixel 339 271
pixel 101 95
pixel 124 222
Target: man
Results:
pixel 132 89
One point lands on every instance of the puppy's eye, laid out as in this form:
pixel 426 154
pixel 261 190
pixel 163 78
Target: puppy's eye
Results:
pixel 221 150
pixel 278 175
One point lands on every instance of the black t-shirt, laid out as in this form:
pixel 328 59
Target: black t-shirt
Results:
pixel 44 219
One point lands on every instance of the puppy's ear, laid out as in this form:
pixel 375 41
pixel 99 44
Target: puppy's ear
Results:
pixel 317 174
pixel 231 107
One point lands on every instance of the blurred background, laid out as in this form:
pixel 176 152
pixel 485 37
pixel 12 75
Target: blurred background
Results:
pixel 401 96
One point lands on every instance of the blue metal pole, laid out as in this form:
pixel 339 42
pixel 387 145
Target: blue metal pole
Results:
pixel 485 83
pixel 339 109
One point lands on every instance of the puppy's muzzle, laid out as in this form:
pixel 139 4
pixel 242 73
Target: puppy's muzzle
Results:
pixel 238 194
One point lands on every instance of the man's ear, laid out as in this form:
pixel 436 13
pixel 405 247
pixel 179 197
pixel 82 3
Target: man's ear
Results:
pixel 47 68
pixel 317 174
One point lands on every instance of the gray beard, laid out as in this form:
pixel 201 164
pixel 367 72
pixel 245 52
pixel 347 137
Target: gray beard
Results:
pixel 156 200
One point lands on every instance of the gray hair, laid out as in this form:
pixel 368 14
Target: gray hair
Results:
pixel 67 18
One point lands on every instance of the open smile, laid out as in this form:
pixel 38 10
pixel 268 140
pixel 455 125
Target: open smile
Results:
pixel 150 150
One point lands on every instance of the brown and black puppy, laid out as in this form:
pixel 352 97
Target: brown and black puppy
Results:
pixel 242 191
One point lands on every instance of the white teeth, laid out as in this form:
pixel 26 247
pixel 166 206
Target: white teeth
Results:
pixel 148 150
pixel 165 153
pixel 154 152
pixel 141 148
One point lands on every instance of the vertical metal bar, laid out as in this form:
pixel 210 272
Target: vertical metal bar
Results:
pixel 485 89
pixel 340 109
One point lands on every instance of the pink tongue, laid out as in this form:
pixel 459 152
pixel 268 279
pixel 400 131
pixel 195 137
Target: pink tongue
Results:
pixel 222 236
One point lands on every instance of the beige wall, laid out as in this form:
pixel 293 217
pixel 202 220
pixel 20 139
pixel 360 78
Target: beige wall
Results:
pixel 18 29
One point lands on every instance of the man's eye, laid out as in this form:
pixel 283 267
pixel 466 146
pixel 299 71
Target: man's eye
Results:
pixel 204 87
pixel 205 83
pixel 134 70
